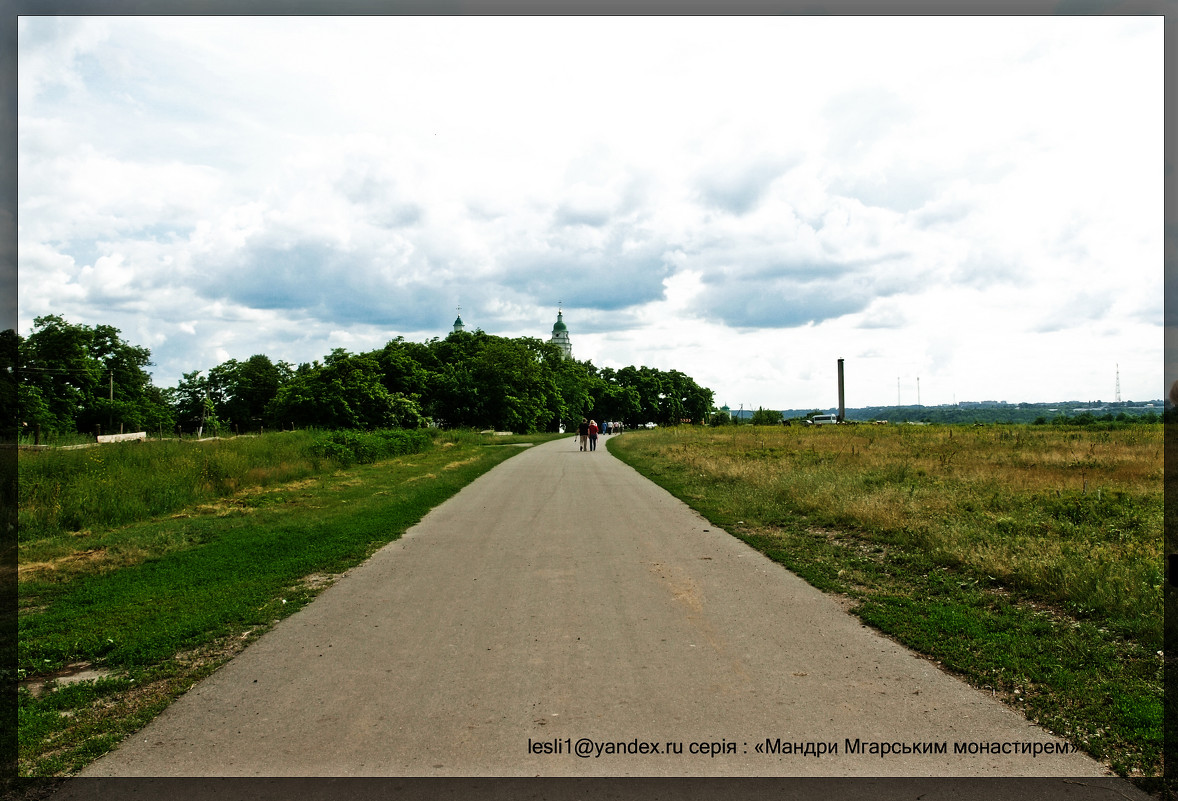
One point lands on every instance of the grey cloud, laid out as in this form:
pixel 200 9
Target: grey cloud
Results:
pixel 485 210
pixel 601 322
pixel 600 199
pixel 591 280
pixel 761 258
pixel 900 190
pixel 789 294
pixel 982 269
pixel 614 276
pixel 582 214
pixel 738 188
pixel 382 202
pixel 936 213
pixel 330 284
pixel 779 304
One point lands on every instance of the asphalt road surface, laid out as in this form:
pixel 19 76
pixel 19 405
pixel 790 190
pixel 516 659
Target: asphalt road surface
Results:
pixel 563 602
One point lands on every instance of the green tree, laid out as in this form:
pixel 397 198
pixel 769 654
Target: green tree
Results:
pixel 187 399
pixel 766 417
pixel 720 417
pixel 406 367
pixel 574 382
pixel 242 390
pixel 344 392
pixel 484 381
pixel 77 377
pixel 667 398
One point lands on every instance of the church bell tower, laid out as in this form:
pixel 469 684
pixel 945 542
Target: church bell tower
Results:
pixel 560 335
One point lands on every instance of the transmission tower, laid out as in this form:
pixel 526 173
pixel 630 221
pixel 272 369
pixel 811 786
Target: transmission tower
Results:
pixel 1118 395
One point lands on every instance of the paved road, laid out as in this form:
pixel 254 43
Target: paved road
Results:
pixel 562 596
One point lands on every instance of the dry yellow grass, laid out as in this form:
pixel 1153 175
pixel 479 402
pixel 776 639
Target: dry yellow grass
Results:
pixel 1073 516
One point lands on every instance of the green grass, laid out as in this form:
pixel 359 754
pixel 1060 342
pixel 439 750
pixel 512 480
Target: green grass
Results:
pixel 926 534
pixel 163 601
pixel 112 484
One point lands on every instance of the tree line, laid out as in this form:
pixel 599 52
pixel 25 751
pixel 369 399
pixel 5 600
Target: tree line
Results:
pixel 65 377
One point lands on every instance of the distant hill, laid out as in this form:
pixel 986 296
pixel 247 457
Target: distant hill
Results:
pixel 987 412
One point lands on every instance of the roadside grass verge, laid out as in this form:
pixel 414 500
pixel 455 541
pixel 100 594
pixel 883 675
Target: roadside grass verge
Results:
pixel 64 491
pixel 1027 561
pixel 159 603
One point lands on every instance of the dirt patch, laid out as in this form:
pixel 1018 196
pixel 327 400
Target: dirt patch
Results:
pixel 302 483
pixel 151 694
pixel 224 507
pixel 240 501
pixel 463 463
pixel 845 602
pixel 319 581
pixel 875 553
pixel 70 674
pixel 218 651
pixel 90 555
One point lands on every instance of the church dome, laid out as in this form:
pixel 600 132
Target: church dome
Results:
pixel 560 326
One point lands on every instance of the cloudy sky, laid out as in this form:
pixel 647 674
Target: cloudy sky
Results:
pixel 968 205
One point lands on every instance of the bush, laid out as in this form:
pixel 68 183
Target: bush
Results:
pixel 347 447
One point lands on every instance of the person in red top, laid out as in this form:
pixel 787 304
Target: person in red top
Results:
pixel 593 435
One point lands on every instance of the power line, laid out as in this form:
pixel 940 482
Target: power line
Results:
pixel 62 369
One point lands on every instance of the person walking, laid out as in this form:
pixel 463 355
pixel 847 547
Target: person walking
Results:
pixel 593 435
pixel 583 434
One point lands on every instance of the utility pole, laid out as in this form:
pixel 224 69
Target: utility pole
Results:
pixel 110 423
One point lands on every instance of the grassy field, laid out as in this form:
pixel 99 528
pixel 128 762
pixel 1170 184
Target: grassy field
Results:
pixel 1026 559
pixel 156 588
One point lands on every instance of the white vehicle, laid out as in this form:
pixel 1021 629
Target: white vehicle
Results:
pixel 650 425
pixel 823 420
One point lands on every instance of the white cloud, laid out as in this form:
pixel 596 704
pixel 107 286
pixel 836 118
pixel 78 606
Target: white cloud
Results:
pixel 742 199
